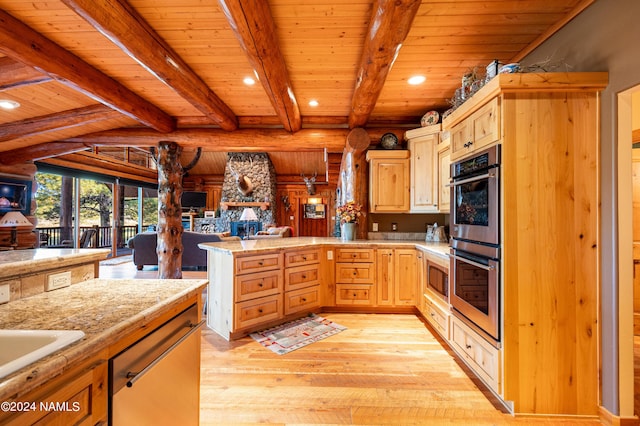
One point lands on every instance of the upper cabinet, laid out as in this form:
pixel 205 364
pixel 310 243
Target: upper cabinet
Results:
pixel 430 169
pixel 481 129
pixel 423 144
pixel 389 181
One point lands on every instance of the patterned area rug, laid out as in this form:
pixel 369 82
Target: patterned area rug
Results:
pixel 296 334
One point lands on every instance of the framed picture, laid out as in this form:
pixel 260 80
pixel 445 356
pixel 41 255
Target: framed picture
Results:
pixel 209 213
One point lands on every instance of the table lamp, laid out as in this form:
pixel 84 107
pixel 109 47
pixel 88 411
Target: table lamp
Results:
pixel 14 220
pixel 248 215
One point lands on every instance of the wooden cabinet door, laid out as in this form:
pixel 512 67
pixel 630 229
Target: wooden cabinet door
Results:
pixel 384 277
pixel 389 184
pixel 405 277
pixel 444 175
pixel 424 174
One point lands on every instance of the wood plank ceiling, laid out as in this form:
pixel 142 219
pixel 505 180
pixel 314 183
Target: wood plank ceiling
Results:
pixel 116 73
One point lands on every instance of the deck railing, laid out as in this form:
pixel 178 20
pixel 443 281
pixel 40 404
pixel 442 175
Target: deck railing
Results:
pixel 51 236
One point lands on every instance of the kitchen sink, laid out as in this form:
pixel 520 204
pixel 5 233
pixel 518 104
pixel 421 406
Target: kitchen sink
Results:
pixel 19 348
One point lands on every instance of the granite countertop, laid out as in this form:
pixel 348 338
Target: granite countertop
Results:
pixel 17 262
pixel 256 246
pixel 104 309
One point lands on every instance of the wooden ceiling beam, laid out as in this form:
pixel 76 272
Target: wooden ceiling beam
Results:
pixel 105 165
pixel 14 74
pixel 40 152
pixel 253 25
pixel 389 26
pixel 241 140
pixel 24 44
pixel 121 24
pixel 57 121
pixel 217 140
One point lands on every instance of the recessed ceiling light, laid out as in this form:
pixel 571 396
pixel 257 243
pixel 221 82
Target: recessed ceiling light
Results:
pixel 416 79
pixel 249 81
pixel 8 104
pixel 313 103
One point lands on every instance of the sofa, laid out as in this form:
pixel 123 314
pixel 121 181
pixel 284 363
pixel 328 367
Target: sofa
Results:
pixel 144 246
pixel 273 232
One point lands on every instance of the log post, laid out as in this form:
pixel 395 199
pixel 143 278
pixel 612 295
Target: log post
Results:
pixel 169 247
pixel 353 179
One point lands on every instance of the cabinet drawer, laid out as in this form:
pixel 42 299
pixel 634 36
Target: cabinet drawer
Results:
pixel 257 311
pixel 301 300
pixel 256 285
pixel 438 318
pixel 480 355
pixel 297 258
pixel 354 255
pixel 357 273
pixel 301 276
pixel 479 130
pixel 264 262
pixel 354 294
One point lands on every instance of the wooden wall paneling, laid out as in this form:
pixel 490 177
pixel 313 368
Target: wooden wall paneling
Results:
pixel 551 212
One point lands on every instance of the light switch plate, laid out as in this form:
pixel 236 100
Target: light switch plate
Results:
pixel 329 254
pixel 60 280
pixel 5 291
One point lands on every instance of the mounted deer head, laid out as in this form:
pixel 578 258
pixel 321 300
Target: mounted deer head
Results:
pixel 242 181
pixel 310 182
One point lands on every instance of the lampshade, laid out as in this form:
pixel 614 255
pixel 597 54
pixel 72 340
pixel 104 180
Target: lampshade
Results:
pixel 248 214
pixel 14 219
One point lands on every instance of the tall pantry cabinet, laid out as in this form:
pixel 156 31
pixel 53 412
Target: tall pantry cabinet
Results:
pixel 547 124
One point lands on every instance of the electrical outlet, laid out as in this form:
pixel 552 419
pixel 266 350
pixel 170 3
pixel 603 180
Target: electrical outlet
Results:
pixel 394 226
pixel 4 293
pixel 375 226
pixel 56 281
pixel 329 254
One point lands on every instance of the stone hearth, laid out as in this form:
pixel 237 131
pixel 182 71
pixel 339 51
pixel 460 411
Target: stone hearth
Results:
pixel 256 166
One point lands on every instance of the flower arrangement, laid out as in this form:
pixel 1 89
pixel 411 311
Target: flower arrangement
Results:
pixel 349 212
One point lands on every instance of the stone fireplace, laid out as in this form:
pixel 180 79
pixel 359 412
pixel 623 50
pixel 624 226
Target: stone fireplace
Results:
pixel 258 168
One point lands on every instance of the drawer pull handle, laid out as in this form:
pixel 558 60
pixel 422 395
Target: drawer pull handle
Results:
pixel 303 299
pixel 433 315
pixel 354 295
pixel 304 277
pixel 260 284
pixel 468 346
pixel 304 257
pixel 261 263
pixel 354 255
pixel 259 311
pixel 355 273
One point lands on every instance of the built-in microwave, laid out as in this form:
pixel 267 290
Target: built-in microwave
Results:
pixel 438 280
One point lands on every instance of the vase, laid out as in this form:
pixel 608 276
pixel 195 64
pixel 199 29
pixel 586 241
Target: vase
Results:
pixel 348 231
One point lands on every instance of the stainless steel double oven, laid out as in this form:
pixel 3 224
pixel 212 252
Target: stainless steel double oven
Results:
pixel 475 243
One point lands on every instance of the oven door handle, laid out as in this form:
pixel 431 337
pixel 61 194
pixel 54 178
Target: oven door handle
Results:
pixel 474 263
pixel 488 175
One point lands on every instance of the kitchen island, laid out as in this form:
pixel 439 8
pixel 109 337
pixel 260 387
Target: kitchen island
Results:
pixel 255 284
pixel 30 272
pixel 113 314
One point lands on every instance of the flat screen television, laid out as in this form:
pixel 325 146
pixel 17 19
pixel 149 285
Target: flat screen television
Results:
pixel 194 200
pixel 15 195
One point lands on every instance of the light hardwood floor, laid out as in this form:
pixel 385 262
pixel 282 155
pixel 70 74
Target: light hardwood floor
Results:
pixel 382 370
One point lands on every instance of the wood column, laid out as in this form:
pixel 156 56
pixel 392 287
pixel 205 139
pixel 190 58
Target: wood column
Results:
pixel 169 248
pixel 353 179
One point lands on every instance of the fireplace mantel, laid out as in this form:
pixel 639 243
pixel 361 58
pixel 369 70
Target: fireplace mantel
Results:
pixel 263 205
